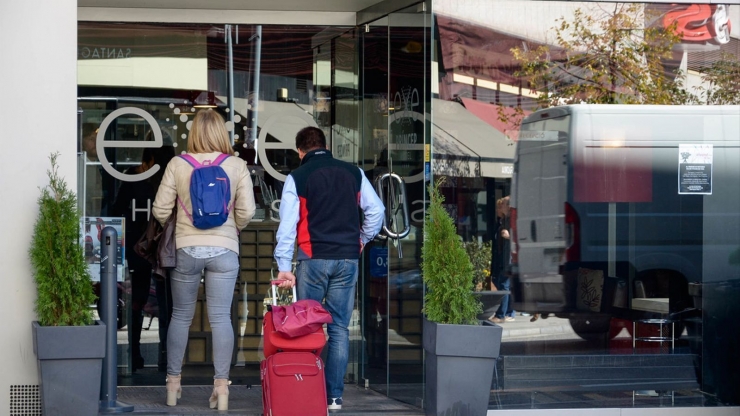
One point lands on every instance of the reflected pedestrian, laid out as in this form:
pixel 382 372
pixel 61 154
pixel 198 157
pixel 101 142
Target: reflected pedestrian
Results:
pixel 501 261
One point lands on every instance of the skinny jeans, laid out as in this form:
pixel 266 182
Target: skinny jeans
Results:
pixel 220 277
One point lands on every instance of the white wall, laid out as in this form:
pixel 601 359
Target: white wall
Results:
pixel 38 89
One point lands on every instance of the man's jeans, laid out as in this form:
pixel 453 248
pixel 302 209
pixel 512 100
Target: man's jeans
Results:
pixel 332 281
pixel 504 309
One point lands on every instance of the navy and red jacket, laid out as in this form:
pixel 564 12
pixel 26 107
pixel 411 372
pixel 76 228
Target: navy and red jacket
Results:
pixel 320 207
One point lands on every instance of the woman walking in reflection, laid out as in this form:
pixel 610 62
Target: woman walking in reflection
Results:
pixel 214 250
pixel 501 261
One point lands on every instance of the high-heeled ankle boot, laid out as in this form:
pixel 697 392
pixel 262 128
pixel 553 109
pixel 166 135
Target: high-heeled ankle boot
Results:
pixel 220 395
pixel 174 391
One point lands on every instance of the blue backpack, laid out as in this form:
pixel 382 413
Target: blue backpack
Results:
pixel 210 193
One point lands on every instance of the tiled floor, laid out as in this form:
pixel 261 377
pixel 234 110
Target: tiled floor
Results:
pixel 247 401
pixel 521 337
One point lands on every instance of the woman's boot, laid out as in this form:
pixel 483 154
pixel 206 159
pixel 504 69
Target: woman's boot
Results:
pixel 174 391
pixel 220 395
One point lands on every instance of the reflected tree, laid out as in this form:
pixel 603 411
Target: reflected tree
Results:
pixel 613 54
pixel 721 82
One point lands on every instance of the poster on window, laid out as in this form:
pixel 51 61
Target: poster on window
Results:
pixel 695 169
pixel 92 229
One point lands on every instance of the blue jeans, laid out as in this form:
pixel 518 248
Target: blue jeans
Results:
pixel 504 309
pixel 221 272
pixel 332 282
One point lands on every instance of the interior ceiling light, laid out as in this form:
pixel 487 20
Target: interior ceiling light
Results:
pixel 204 99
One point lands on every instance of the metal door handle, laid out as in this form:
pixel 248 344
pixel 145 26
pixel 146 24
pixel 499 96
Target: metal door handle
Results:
pixel 392 180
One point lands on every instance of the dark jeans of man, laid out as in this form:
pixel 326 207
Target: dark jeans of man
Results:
pixel 333 282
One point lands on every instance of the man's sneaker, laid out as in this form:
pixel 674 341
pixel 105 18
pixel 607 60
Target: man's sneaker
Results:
pixel 334 403
pixel 509 319
pixel 496 320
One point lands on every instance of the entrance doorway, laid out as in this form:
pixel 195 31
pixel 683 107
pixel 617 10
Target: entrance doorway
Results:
pixel 395 100
pixel 367 88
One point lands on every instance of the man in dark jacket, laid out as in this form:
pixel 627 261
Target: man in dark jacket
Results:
pixel 320 206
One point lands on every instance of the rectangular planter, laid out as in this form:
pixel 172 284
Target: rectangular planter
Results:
pixel 490 299
pixel 458 366
pixel 70 361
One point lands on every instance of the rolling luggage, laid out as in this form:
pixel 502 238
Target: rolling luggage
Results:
pixel 275 342
pixel 293 384
pixel 292 374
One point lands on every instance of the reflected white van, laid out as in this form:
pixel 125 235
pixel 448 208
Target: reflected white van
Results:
pixel 624 210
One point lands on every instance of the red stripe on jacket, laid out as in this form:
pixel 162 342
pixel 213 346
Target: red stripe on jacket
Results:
pixel 304 238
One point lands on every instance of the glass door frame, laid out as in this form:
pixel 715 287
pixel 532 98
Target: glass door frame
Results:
pixel 404 100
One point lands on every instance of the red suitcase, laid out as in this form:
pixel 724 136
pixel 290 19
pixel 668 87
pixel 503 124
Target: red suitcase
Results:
pixel 275 342
pixel 293 384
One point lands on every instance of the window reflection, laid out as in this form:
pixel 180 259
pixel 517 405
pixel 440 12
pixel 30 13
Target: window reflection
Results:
pixel 609 257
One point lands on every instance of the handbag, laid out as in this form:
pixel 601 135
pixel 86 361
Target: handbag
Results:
pixel 166 249
pixel 157 245
pixel 299 318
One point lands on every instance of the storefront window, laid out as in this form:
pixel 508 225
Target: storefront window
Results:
pixel 139 87
pixel 610 134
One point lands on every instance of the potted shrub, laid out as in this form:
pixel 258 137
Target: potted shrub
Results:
pixel 461 350
pixel 68 343
pixel 486 292
pixel 480 257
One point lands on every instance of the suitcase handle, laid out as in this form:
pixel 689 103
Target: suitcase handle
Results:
pixel 273 286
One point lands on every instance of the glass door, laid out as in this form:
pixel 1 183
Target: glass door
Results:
pixel 373 282
pixel 395 128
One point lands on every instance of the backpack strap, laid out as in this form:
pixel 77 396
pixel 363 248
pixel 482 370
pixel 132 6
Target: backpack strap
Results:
pixel 220 159
pixel 216 162
pixel 195 164
pixel 191 160
pixel 185 209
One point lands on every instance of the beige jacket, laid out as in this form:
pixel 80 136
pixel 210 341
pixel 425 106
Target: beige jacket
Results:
pixel 176 182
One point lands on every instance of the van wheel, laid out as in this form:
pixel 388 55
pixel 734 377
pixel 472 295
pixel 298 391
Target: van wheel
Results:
pixel 591 328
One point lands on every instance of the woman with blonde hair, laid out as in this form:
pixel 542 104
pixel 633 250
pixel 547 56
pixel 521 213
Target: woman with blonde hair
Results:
pixel 213 250
pixel 501 261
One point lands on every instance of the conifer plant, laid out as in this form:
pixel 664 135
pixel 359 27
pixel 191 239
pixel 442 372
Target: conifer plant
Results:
pixel 63 283
pixel 446 268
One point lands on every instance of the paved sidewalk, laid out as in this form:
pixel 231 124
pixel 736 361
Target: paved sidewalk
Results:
pixel 551 328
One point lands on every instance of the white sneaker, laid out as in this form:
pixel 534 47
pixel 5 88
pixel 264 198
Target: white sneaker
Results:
pixel 334 403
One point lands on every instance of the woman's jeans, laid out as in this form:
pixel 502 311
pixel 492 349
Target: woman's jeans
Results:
pixel 332 281
pixel 221 273
pixel 504 309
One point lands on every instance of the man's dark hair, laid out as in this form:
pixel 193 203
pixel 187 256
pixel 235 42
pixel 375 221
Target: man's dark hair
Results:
pixel 310 138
